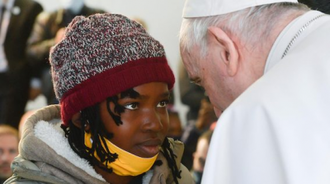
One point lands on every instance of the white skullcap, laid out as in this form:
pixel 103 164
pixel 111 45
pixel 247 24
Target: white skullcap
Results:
pixel 203 8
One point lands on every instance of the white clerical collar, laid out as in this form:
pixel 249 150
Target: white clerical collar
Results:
pixel 291 35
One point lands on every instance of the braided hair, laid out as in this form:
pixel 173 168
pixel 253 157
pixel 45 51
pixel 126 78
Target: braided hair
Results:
pixel 91 116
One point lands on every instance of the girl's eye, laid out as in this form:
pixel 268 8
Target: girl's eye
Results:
pixel 163 103
pixel 131 106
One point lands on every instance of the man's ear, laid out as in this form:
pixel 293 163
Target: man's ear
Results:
pixel 229 53
pixel 76 120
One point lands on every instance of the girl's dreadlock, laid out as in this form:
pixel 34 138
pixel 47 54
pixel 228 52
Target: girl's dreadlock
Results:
pixel 170 157
pixel 76 136
pixel 91 116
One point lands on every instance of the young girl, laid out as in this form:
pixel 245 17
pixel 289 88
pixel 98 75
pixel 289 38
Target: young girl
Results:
pixel 112 80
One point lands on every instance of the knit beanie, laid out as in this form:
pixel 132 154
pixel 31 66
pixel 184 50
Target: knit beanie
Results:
pixel 101 56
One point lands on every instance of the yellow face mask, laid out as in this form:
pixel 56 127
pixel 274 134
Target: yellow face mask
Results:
pixel 126 164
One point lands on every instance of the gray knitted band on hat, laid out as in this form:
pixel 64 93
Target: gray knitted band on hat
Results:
pixel 100 56
pixel 97 43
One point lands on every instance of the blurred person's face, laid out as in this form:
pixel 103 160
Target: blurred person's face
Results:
pixel 175 128
pixel 8 151
pixel 200 155
pixel 145 119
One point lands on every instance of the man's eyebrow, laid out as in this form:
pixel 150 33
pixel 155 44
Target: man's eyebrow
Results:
pixel 196 80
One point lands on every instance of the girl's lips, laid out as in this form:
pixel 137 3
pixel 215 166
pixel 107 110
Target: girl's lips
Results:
pixel 150 151
pixel 150 148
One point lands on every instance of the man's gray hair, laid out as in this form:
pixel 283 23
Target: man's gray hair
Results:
pixel 252 25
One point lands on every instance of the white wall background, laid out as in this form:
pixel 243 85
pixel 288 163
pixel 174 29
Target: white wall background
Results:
pixel 163 19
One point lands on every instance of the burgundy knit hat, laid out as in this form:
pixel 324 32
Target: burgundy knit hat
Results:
pixel 101 56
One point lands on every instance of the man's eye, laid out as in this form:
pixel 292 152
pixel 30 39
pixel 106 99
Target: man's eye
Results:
pixel 196 81
pixel 13 151
pixel 131 106
pixel 163 103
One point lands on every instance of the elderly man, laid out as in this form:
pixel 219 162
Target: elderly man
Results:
pixel 266 65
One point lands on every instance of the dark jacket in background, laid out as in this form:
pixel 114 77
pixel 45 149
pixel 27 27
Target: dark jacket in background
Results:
pixel 43 38
pixel 14 84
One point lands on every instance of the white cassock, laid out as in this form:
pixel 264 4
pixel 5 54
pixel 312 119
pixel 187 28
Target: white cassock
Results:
pixel 278 130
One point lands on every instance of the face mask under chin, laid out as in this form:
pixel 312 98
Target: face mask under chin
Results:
pixel 127 164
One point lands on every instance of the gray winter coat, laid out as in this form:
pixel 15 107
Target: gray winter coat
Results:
pixel 46 157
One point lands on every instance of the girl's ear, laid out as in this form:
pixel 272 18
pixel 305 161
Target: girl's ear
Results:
pixel 228 52
pixel 76 120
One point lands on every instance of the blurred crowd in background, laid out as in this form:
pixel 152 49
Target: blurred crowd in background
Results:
pixel 27 33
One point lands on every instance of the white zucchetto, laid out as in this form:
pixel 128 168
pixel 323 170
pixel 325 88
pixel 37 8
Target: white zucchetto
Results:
pixel 204 8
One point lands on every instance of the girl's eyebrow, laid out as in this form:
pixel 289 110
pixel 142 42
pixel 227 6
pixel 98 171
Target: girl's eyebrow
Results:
pixel 166 94
pixel 163 95
pixel 130 93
